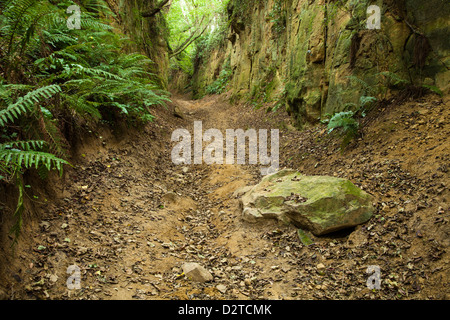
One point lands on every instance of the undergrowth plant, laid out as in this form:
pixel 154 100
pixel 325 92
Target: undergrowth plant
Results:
pixel 277 16
pixel 53 78
pixel 220 84
pixel 347 121
pixel 16 155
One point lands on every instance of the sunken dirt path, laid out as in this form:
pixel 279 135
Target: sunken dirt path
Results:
pixel 129 219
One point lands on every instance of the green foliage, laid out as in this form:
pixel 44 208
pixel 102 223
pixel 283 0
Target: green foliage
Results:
pixel 18 155
pixel 17 158
pixel 433 89
pixel 367 89
pixel 346 123
pixel 365 100
pixel 278 18
pixel 213 40
pixel 194 26
pixel 370 94
pixel 20 19
pixel 219 86
pixel 51 77
pixel 15 110
pixel 97 78
pixel 394 79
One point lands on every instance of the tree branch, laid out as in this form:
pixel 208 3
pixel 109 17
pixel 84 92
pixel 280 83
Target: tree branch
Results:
pixel 186 43
pixel 156 10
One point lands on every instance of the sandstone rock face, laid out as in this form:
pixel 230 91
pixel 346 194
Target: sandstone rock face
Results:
pixel 305 52
pixel 320 204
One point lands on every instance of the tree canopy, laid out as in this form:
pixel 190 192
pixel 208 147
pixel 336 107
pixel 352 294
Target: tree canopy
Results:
pixel 189 21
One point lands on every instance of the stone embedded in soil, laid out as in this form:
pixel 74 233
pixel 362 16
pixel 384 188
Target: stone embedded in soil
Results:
pixel 178 113
pixel 320 204
pixel 222 288
pixel 196 272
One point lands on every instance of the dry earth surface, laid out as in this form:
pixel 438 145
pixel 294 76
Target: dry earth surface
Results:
pixel 129 218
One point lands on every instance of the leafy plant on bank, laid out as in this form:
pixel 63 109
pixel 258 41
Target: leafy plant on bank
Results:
pixel 220 84
pixel 16 156
pixel 277 16
pixel 52 79
pixel 347 121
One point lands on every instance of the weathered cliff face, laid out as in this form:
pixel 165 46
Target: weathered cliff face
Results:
pixel 149 34
pixel 302 52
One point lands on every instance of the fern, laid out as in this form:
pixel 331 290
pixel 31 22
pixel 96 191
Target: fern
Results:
pixel 95 72
pixel 28 159
pixel 348 125
pixel 433 89
pixel 99 7
pixel 14 111
pixel 365 100
pixel 23 18
pixel 24 145
pixel 58 38
pixel 51 132
pixel 17 156
pixel 82 106
pixel 67 74
pixel 344 120
pixel 395 80
pixel 368 89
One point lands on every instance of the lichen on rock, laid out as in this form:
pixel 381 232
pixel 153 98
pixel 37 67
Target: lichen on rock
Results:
pixel 321 204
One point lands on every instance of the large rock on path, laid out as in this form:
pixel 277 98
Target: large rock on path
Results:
pixel 320 204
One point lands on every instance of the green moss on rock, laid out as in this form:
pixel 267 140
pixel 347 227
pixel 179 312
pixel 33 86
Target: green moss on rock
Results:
pixel 321 204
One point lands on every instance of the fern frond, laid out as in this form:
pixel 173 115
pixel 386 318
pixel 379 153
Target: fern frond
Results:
pixel 343 120
pixel 24 145
pixel 364 100
pixel 24 103
pixel 123 107
pixel 58 37
pixel 57 143
pixel 93 24
pixel 367 88
pixel 30 158
pixel 82 106
pixel 42 171
pixel 98 7
pixel 23 18
pixel 79 69
pixel 394 78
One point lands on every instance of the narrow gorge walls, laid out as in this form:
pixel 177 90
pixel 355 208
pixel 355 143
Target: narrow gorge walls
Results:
pixel 319 57
pixel 149 33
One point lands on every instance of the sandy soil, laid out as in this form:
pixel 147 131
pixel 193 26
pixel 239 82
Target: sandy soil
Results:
pixel 129 218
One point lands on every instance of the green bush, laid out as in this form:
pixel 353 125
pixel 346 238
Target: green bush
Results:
pixel 51 75
pixel 219 86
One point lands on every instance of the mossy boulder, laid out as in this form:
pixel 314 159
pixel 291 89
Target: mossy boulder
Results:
pixel 321 204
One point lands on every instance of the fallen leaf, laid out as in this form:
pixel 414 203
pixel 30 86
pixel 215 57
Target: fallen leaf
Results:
pixel 304 238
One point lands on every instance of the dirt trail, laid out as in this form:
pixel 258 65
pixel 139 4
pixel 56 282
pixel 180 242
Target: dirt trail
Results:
pixel 129 219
